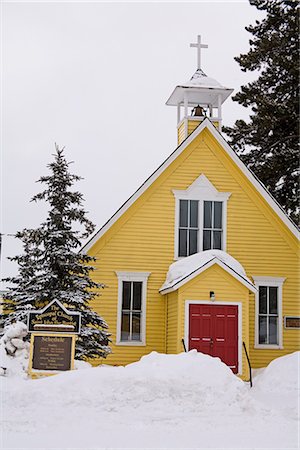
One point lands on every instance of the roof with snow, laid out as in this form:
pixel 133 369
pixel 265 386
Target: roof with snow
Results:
pixel 188 268
pixel 209 88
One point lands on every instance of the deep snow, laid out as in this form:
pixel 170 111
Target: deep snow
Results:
pixel 181 401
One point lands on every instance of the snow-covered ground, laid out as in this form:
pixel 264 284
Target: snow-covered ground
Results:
pixel 185 401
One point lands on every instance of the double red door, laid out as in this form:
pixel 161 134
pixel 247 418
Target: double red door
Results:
pixel 213 329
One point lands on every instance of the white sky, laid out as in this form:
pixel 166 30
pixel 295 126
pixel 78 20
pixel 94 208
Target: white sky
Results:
pixel 94 77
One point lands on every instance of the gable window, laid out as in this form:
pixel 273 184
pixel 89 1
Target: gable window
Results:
pixel 268 312
pixel 131 321
pixel 212 225
pixel 200 218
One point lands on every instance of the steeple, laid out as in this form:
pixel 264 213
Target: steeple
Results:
pixel 200 97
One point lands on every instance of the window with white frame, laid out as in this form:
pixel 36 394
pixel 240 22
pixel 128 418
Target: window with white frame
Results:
pixel 212 225
pixel 131 321
pixel 200 219
pixel 268 327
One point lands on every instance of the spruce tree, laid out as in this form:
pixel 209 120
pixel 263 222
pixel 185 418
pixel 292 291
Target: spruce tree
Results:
pixel 51 266
pixel 268 143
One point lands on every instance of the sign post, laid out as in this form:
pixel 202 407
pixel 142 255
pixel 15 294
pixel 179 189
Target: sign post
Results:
pixel 53 334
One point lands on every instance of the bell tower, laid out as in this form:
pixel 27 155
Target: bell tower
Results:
pixel 200 97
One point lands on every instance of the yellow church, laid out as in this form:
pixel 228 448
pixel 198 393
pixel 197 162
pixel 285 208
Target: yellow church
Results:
pixel 201 256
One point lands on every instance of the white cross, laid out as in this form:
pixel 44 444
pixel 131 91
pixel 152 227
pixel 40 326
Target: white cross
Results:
pixel 199 46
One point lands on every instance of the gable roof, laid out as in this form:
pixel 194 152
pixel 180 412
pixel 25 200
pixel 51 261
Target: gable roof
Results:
pixel 219 137
pixel 184 270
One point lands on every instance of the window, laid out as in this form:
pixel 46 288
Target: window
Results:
pixel 212 225
pixel 200 221
pixel 131 308
pixel 188 227
pixel 268 315
pixel 268 312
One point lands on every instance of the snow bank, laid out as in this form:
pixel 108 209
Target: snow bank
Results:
pixel 281 375
pixel 190 400
pixel 184 267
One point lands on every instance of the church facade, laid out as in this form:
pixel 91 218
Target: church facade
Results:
pixel 200 256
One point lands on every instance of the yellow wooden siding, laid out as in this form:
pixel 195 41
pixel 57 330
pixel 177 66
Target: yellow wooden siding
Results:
pixel 172 322
pixel 180 133
pixel 142 239
pixel 226 289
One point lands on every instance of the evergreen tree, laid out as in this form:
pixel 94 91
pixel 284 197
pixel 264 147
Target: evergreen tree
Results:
pixel 51 267
pixel 268 143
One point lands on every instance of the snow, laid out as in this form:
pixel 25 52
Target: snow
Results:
pixel 200 79
pixel 180 401
pixel 186 266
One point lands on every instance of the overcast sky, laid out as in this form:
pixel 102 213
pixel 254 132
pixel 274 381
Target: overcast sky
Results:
pixel 94 77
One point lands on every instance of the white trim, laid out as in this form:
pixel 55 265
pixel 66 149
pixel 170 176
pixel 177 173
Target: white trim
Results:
pixel 245 281
pixel 269 282
pixel 202 190
pixel 240 322
pixel 132 276
pixel 205 124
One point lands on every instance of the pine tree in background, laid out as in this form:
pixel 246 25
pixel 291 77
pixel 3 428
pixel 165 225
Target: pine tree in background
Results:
pixel 51 268
pixel 268 144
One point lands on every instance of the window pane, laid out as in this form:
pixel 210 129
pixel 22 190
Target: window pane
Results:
pixel 136 326
pixel 207 214
pixel 125 327
pixel 206 240
pixel 183 213
pixel 126 295
pixel 194 213
pixel 263 338
pixel 217 215
pixel 273 330
pixel 193 247
pixel 182 242
pixel 262 300
pixel 217 240
pixel 273 300
pixel 137 295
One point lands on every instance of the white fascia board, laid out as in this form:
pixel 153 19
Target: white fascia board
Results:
pixel 202 269
pixel 252 178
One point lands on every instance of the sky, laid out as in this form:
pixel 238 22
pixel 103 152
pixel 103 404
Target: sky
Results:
pixel 94 77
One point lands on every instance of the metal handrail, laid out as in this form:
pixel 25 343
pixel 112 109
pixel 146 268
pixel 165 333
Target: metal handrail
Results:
pixel 249 363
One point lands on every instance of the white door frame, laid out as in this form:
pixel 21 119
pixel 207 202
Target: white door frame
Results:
pixel 210 303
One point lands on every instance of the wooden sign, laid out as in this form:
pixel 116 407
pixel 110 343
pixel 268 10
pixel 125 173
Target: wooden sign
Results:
pixel 51 353
pixel 54 318
pixel 292 322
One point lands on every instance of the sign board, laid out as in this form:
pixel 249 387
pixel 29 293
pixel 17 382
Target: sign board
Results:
pixel 51 353
pixel 54 318
pixel 292 322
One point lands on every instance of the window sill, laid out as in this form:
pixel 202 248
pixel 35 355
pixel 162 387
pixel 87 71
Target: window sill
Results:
pixel 131 344
pixel 268 347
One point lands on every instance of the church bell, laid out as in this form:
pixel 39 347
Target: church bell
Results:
pixel 198 111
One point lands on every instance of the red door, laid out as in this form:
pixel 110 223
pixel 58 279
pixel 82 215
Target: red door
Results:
pixel 213 329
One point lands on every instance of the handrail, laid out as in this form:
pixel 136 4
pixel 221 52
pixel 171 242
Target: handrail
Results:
pixel 249 363
pixel 183 343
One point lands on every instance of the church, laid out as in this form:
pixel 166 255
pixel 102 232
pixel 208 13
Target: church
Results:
pixel 201 256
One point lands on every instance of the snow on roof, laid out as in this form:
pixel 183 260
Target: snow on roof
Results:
pixel 200 79
pixel 182 269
